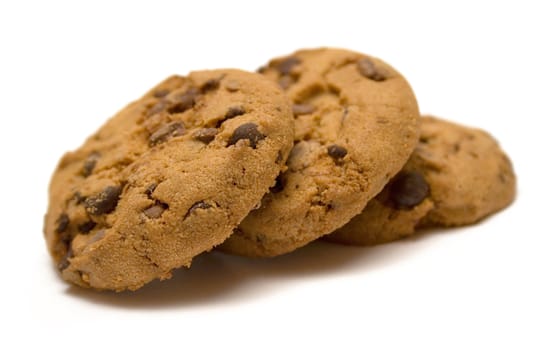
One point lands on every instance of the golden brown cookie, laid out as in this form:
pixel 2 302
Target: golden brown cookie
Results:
pixel 167 178
pixel 456 176
pixel 356 125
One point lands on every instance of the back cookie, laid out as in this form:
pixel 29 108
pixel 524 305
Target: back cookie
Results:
pixel 167 178
pixel 456 176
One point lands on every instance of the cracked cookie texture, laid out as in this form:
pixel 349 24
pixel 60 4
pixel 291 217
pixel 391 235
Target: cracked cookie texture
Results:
pixel 356 124
pixel 166 178
pixel 456 176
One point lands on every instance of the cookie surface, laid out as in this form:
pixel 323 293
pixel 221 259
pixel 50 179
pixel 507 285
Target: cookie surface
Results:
pixel 167 178
pixel 456 176
pixel 356 122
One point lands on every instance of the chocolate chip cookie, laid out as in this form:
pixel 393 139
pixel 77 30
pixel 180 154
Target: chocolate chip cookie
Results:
pixel 356 125
pixel 167 178
pixel 456 176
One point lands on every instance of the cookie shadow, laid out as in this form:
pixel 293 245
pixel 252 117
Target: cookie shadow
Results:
pixel 215 278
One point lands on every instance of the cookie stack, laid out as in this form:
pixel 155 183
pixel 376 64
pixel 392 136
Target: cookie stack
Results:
pixel 321 143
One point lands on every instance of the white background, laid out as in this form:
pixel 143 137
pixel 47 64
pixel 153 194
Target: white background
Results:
pixel 66 67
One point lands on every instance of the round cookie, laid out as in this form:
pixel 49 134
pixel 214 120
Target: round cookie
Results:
pixel 167 178
pixel 356 122
pixel 456 176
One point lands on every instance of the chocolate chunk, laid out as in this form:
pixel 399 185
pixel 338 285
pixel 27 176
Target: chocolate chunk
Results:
pixel 62 223
pixel 167 131
pixel 156 210
pixel 210 85
pixel 161 93
pixel 184 101
pixel 197 205
pixel 90 163
pixel 150 189
pixel 285 81
pixel 65 262
pixel 424 139
pixel 285 67
pixel 231 113
pixel 456 147
pixel 232 85
pixel 78 198
pixel 278 185
pixel 368 69
pixel 205 135
pixel 279 158
pixel 300 109
pixel 336 151
pixel 86 227
pixel 103 202
pixel 158 107
pixel 408 189
pixel 247 131
pixel 66 238
pixel 234 112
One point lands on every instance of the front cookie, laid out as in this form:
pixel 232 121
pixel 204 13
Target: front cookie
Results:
pixel 356 124
pixel 167 178
pixel 456 176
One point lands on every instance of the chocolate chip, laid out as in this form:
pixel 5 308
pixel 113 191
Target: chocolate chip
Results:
pixel 231 113
pixel 285 67
pixel 232 85
pixel 368 69
pixel 205 135
pixel 408 189
pixel 279 158
pixel 210 85
pixel 300 109
pixel 158 107
pixel 65 262
pixel 278 185
pixel 86 226
pixel 197 205
pixel 78 198
pixel 156 210
pixel 161 93
pixel 234 112
pixel 90 163
pixel 184 101
pixel 103 202
pixel 62 223
pixel 66 238
pixel 150 190
pixel 336 151
pixel 247 131
pixel 285 81
pixel 167 131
